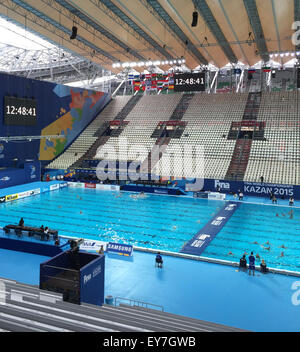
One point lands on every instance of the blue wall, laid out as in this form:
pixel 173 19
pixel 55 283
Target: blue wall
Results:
pixel 54 102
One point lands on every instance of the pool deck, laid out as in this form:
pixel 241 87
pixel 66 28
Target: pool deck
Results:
pixel 196 289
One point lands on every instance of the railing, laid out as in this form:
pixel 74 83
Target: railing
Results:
pixel 136 303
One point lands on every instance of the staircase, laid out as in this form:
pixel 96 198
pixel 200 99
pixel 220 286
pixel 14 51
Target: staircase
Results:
pixel 86 139
pixel 181 107
pixel 240 157
pixel 102 139
pixel 239 160
pixel 162 142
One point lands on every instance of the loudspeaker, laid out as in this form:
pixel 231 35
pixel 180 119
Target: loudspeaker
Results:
pixel 74 33
pixel 273 74
pixel 195 19
pixel 298 77
pixel 250 75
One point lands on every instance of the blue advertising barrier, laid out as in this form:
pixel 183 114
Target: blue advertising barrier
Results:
pixel 256 189
pixel 198 243
pixel 12 176
pixel 119 248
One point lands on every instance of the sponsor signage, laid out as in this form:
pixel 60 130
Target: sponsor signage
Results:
pixel 107 187
pixel 119 248
pixel 91 246
pixel 54 187
pixel 90 185
pixel 11 197
pixel 257 189
pixel 76 184
pixel 216 196
pixel 29 193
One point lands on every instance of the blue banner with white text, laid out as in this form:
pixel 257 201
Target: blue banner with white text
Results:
pixel 203 238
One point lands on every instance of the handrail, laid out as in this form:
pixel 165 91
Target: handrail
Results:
pixel 139 303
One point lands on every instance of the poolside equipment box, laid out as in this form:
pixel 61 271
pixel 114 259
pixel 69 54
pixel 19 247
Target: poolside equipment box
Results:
pixel 79 276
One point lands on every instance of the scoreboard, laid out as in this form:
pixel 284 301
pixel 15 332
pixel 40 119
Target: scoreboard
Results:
pixel 189 82
pixel 20 111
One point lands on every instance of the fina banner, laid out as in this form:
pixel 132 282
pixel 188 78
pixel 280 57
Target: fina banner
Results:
pixel 257 189
pixel 198 244
pixel 120 248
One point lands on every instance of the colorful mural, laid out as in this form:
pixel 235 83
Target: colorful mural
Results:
pixel 82 103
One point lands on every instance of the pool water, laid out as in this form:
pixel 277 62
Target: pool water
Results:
pixel 163 223
pixel 158 222
pixel 264 230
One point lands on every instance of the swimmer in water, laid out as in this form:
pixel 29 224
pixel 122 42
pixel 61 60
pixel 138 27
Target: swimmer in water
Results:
pixel 281 254
pixel 267 242
pixel 255 242
pixel 257 256
pixel 283 246
pixel 174 227
pixel 230 253
pixel 277 215
pixel 80 212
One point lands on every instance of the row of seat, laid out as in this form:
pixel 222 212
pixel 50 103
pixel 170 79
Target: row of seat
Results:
pixel 29 309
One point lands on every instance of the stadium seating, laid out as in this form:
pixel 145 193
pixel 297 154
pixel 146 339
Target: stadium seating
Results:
pixel 29 309
pixel 208 118
pixel 277 157
pixel 86 139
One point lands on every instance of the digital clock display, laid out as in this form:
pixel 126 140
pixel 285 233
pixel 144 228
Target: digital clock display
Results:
pixel 20 111
pixel 189 82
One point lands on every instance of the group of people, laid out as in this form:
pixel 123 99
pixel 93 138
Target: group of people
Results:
pixel 243 264
pixel 44 231
pixel 274 199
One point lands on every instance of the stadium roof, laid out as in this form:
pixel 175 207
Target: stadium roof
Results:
pixel 109 31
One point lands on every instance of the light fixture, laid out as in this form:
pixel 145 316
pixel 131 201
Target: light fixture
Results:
pixel 149 63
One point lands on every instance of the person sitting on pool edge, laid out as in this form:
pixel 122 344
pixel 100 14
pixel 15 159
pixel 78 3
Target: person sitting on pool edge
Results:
pixel 158 260
pixel 243 263
pixel 263 267
pixel 251 264
pixel 21 222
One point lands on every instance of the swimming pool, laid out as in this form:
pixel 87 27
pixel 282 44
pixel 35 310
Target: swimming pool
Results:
pixel 163 223
pixel 263 229
pixel 158 222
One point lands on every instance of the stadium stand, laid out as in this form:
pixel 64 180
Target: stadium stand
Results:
pixel 277 157
pixel 86 139
pixel 28 309
pixel 208 118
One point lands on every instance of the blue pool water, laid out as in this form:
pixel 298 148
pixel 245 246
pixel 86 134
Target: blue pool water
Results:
pixel 163 223
pixel 158 222
pixel 264 230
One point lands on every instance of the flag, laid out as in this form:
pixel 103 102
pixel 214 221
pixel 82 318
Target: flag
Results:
pixel 266 69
